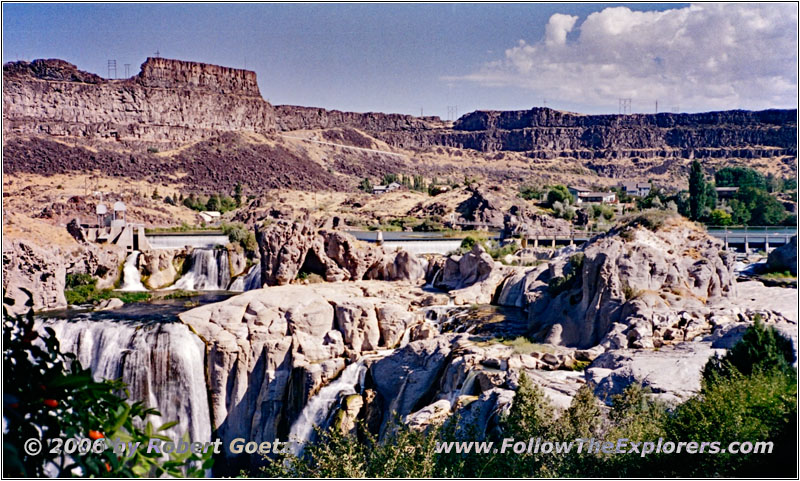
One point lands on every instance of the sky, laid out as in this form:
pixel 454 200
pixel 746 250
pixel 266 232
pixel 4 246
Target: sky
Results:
pixel 445 59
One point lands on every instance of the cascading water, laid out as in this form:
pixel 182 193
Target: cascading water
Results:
pixel 131 277
pixel 318 408
pixel 162 363
pixel 249 281
pixel 466 387
pixel 209 271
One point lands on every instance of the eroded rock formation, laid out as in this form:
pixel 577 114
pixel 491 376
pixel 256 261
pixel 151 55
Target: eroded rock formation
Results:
pixel 288 247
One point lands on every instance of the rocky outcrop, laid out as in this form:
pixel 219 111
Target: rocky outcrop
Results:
pixel 170 103
pixel 484 208
pixel 270 349
pixel 288 247
pixel 161 268
pixel 550 130
pixel 43 270
pixel 521 221
pixel 38 270
pixel 784 258
pixel 472 278
pixel 634 287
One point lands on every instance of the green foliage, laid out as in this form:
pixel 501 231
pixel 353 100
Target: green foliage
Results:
pixel 389 178
pixel 82 289
pixel 468 243
pixel 48 395
pixel 216 202
pixel 180 294
pixel 719 217
pixel 759 407
pixel 761 348
pixel 79 279
pixel 156 195
pixel 559 193
pixel 428 225
pixel 557 285
pixel 740 177
pixel 402 454
pixel 697 191
pixel 238 233
pixel 529 192
pixel 365 185
pixel 152 150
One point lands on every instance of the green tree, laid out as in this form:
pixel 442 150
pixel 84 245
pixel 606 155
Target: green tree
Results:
pixel 697 191
pixel 719 217
pixel 238 193
pixel 740 214
pixel 740 177
pixel 529 192
pixel 365 185
pixel 559 193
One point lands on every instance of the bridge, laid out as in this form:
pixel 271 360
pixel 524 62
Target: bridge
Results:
pixel 737 239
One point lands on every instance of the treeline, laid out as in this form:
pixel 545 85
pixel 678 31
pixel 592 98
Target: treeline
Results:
pixel 754 202
pixel 417 183
pixel 750 395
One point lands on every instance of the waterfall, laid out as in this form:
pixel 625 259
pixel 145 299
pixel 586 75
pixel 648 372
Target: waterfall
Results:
pixel 131 278
pixel 317 409
pixel 249 281
pixel 209 271
pixel 466 387
pixel 162 363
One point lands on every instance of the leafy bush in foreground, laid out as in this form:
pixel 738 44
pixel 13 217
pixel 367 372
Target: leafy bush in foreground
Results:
pixel 48 395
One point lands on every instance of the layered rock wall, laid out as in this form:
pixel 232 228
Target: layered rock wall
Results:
pixel 168 104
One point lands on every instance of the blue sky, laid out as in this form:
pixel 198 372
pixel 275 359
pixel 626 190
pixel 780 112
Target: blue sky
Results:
pixel 404 57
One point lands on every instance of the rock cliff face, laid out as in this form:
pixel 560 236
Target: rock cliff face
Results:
pixel 288 247
pixel 634 287
pixel 547 133
pixel 43 270
pixel 170 103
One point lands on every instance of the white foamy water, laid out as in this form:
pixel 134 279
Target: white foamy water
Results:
pixel 209 271
pixel 249 281
pixel 318 408
pixel 161 363
pixel 131 277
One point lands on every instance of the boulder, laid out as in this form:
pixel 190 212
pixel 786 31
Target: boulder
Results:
pixel 784 258
pixel 408 377
pixel 673 373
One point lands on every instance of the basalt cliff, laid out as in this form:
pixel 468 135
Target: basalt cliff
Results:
pixel 203 118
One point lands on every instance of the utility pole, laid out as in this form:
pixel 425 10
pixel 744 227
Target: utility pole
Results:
pixel 127 70
pixel 112 67
pixel 656 105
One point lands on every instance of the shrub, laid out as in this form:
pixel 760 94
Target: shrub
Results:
pixel 559 193
pixel 760 349
pixel 238 233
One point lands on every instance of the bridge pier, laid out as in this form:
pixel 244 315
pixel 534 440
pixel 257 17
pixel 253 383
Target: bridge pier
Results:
pixel 554 242
pixel 766 244
pixel 536 242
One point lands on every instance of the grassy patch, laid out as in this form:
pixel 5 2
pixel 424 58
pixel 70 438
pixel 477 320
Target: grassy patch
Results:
pixel 82 289
pixel 779 275
pixel 180 294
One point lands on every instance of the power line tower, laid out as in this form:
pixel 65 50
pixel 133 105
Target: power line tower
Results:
pixel 452 112
pixel 157 54
pixel 624 106
pixel 127 70
pixel 112 67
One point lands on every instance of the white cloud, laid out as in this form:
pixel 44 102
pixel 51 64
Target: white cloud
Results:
pixel 702 57
pixel 557 29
